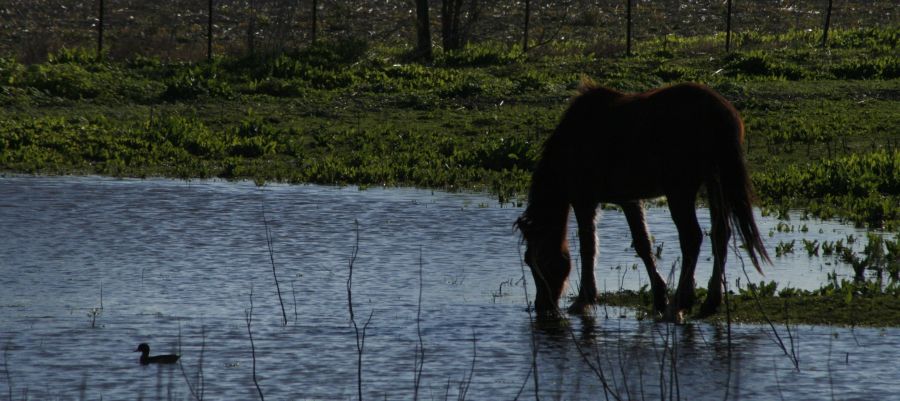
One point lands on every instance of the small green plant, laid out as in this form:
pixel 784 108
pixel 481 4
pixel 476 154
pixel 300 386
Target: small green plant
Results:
pixel 480 55
pixel 71 81
pixel 812 247
pixel 675 73
pixel 789 292
pixel 73 55
pixel 783 227
pixel 191 82
pixel 784 248
pixel 858 264
pixel 893 257
pixel 762 290
pixel 758 63
pixel 877 68
pixel 828 248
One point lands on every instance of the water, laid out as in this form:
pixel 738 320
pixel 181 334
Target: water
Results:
pixel 90 267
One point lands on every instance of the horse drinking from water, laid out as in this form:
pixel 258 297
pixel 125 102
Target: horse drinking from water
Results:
pixel 619 148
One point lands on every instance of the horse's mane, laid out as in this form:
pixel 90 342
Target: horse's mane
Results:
pixel 546 186
pixel 541 190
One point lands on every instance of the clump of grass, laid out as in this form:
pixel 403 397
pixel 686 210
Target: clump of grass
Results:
pixel 840 302
pixel 480 55
pixel 346 112
pixel 784 248
pixel 864 187
pixel 812 247
pixel 877 68
pixel 761 64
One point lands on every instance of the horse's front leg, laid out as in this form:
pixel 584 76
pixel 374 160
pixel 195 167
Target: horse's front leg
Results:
pixel 586 216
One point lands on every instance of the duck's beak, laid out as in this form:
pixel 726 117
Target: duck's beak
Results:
pixel 137 350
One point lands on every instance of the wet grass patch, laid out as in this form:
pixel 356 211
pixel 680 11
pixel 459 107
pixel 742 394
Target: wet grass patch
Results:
pixel 871 297
pixel 349 112
pixel 820 307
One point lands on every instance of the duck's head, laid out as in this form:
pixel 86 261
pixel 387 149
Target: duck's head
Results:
pixel 143 348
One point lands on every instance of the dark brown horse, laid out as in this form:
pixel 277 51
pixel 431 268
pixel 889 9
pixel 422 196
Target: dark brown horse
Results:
pixel 621 148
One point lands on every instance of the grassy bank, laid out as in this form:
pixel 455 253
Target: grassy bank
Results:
pixel 849 305
pixel 868 298
pixel 822 124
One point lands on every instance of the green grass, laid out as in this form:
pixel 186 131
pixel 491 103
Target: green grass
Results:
pixel 869 299
pixel 872 310
pixel 821 123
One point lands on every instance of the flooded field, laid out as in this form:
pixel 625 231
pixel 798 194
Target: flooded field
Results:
pixel 91 267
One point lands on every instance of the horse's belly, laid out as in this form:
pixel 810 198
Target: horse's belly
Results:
pixel 628 192
pixel 621 186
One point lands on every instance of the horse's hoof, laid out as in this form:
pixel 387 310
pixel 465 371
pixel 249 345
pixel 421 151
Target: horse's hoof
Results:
pixel 673 315
pixel 707 310
pixel 660 308
pixel 580 307
pixel 679 317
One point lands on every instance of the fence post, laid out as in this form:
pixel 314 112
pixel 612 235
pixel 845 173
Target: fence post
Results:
pixel 628 28
pixel 423 30
pixel 251 26
pixel 100 32
pixel 527 20
pixel 827 24
pixel 209 33
pixel 728 29
pixel 315 9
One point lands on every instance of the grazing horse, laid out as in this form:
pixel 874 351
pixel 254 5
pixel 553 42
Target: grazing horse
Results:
pixel 619 148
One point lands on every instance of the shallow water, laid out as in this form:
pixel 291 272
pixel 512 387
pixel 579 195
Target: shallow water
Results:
pixel 174 263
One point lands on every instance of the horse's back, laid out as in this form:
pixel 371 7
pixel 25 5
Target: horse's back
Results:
pixel 605 115
pixel 634 146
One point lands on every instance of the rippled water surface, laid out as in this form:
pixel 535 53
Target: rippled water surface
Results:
pixel 90 267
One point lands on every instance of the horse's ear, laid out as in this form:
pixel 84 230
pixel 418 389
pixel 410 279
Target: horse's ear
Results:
pixel 586 84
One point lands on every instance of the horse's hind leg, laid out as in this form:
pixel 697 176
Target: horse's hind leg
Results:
pixel 586 216
pixel 690 236
pixel 634 213
pixel 721 233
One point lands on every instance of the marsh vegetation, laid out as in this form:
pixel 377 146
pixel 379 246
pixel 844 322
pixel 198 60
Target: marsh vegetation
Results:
pixel 818 136
pixel 821 142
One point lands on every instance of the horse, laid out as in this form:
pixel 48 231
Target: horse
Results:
pixel 618 148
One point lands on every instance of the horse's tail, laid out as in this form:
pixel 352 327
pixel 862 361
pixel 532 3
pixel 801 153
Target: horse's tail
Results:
pixel 733 191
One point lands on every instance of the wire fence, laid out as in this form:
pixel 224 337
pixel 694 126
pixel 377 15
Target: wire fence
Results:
pixel 177 30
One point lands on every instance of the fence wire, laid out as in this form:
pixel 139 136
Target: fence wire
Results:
pixel 176 30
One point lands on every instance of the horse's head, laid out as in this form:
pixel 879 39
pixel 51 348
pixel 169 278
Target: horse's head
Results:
pixel 547 255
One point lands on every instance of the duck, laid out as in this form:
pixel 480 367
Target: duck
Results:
pixel 146 359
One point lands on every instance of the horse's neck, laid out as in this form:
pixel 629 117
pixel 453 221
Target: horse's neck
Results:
pixel 549 217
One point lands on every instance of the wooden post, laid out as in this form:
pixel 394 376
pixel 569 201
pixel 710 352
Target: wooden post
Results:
pixel 827 25
pixel 450 24
pixel 423 30
pixel 527 20
pixel 315 10
pixel 628 28
pixel 209 33
pixel 100 32
pixel 251 27
pixel 728 28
